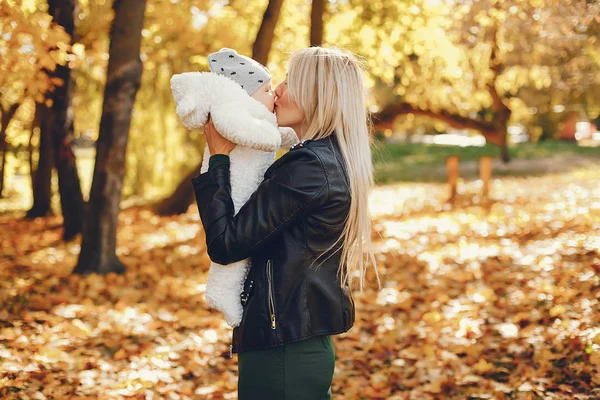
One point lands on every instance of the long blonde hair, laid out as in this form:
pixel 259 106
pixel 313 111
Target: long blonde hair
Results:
pixel 328 85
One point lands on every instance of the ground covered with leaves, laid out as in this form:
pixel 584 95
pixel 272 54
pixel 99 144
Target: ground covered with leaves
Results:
pixel 481 299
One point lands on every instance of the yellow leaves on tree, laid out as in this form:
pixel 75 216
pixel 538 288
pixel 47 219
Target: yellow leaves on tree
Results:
pixel 30 44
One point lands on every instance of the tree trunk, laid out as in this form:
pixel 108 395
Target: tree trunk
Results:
pixel 3 146
pixel 98 247
pixel 183 196
pixel 503 112
pixel 5 117
pixel 502 127
pixel 178 202
pixel 316 22
pixel 266 32
pixel 61 116
pixel 30 149
pixel 504 153
pixel 42 176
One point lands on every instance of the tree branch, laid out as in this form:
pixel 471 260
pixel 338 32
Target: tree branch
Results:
pixel 6 115
pixel 385 117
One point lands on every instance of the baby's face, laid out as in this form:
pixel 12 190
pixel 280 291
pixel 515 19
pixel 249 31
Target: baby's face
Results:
pixel 265 95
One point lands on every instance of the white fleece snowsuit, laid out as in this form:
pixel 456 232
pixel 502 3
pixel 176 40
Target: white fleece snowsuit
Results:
pixel 253 128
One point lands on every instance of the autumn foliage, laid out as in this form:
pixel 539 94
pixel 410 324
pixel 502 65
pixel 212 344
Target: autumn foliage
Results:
pixel 490 300
pixel 443 64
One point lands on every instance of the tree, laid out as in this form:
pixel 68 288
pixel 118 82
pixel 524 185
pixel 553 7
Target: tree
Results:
pixel 41 176
pixel 6 116
pixel 568 34
pixel 427 69
pixel 36 61
pixel 464 63
pixel 183 195
pixel 316 22
pixel 61 125
pixel 493 130
pixel 31 45
pixel 98 248
pixel 264 37
pixel 178 202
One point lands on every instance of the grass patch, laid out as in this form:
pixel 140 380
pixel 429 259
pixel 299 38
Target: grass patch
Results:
pixel 417 162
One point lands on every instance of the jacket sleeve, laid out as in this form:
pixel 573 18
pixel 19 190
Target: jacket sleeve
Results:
pixel 296 186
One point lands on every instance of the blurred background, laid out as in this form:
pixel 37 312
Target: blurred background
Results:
pixel 486 218
pixel 439 72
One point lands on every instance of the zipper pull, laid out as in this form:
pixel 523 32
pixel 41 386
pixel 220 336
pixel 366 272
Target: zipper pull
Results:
pixel 272 321
pixel 230 351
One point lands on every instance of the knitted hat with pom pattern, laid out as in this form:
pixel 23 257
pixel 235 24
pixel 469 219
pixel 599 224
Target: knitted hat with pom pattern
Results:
pixel 250 74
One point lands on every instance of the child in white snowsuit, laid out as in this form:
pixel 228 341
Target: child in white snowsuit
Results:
pixel 238 96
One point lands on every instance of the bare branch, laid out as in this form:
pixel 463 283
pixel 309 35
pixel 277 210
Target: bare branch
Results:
pixel 388 114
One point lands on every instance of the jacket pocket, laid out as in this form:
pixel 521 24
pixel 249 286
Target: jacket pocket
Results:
pixel 271 294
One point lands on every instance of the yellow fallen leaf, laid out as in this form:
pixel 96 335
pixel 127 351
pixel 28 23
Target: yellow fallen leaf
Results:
pixel 595 358
pixel 596 378
pixel 432 317
pixel 428 350
pixel 483 366
pixel 525 387
pixel 468 379
pixel 379 379
pixel 81 328
pixel 8 334
pixel 557 310
pixel 435 386
pixel 121 354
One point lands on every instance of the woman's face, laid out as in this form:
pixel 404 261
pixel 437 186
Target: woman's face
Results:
pixel 288 113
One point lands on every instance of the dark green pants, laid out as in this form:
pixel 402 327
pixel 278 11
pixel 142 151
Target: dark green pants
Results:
pixel 297 371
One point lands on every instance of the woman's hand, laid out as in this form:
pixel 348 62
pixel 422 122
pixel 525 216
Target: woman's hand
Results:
pixel 217 144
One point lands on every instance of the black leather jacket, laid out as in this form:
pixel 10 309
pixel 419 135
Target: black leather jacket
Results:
pixel 296 213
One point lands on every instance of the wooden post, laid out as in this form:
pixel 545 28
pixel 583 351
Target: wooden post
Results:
pixel 452 166
pixel 485 173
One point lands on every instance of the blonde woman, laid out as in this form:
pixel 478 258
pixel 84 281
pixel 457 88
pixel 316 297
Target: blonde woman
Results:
pixel 306 230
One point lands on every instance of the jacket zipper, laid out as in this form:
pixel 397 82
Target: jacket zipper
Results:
pixel 271 294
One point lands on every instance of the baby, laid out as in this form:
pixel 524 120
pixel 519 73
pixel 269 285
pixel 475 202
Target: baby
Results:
pixel 238 96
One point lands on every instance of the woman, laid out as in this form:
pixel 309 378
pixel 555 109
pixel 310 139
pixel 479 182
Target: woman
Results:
pixel 306 230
